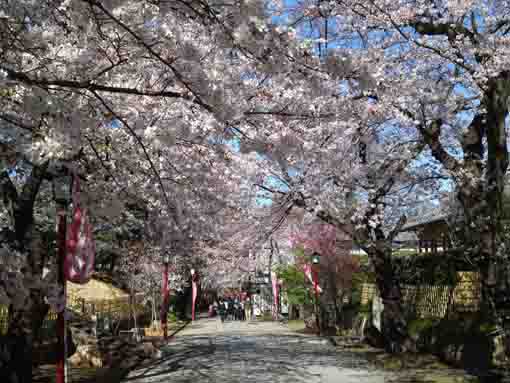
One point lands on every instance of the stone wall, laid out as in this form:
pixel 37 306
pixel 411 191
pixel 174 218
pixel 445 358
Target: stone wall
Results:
pixel 464 341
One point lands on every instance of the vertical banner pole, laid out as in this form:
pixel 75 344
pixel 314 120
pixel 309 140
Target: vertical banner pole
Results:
pixel 316 288
pixel 61 324
pixel 164 309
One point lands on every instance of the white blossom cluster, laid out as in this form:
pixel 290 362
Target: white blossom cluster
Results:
pixel 211 122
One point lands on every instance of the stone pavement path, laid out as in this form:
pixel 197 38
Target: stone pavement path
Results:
pixel 209 351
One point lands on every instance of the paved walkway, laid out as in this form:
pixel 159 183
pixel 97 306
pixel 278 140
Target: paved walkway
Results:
pixel 211 351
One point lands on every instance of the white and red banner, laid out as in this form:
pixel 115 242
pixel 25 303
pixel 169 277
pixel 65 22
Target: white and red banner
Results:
pixel 307 268
pixel 80 246
pixel 194 292
pixel 274 280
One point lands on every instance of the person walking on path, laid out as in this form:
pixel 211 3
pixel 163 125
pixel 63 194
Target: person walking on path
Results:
pixel 247 310
pixel 222 310
pixel 230 309
pixel 237 310
pixel 241 311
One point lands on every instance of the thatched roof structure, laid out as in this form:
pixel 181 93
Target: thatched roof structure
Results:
pixel 94 290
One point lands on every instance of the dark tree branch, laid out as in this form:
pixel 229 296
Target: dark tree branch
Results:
pixel 399 28
pixel 104 166
pixel 499 25
pixel 16 122
pixel 24 211
pixel 431 136
pixel 398 227
pixel 442 29
pixel 168 63
pixel 270 190
pixel 89 85
pixel 9 192
pixel 171 207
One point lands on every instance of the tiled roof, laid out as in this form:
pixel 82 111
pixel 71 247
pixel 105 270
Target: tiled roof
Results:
pixel 433 215
pixel 406 237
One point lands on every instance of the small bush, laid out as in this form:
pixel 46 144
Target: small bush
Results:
pixel 365 309
pixel 172 317
pixel 418 326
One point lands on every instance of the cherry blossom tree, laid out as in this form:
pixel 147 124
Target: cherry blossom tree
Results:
pixel 456 95
pixel 423 93
pixel 318 170
pixel 337 265
pixel 138 99
pixel 212 122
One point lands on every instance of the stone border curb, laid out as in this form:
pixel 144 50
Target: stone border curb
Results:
pixel 116 373
pixel 332 341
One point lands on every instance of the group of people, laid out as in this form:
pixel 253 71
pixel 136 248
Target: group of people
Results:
pixel 232 309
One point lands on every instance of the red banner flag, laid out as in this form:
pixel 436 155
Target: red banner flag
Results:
pixel 80 246
pixel 194 291
pixel 307 268
pixel 274 279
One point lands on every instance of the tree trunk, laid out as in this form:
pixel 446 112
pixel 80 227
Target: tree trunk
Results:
pixel 294 311
pixel 481 199
pixel 16 360
pixel 337 313
pixel 23 326
pixel 496 101
pixel 25 318
pixel 378 246
pixel 394 323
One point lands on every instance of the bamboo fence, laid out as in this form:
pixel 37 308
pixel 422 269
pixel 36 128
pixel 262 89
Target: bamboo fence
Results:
pixel 435 301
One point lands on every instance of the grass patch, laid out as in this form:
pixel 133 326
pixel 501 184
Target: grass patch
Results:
pixel 266 317
pixel 404 253
pixel 297 325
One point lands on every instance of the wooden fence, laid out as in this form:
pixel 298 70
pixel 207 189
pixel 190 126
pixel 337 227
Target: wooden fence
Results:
pixel 434 301
pixel 467 292
pixel 115 309
pixel 4 311
pixel 368 291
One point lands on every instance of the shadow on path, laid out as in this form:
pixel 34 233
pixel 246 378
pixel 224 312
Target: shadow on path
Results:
pixel 238 355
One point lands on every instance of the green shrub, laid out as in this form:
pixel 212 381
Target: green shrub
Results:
pixel 486 328
pixel 366 309
pixel 295 284
pixel 172 317
pixel 418 326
